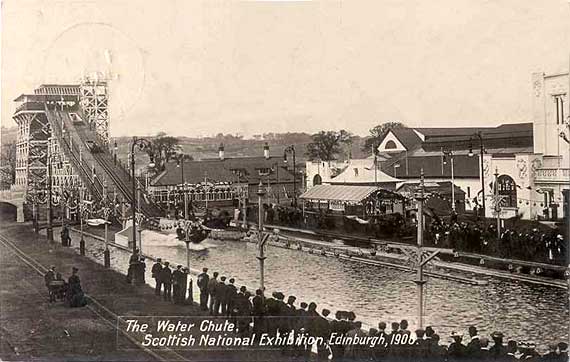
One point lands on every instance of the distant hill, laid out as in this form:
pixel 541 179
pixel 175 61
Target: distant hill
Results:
pixel 207 147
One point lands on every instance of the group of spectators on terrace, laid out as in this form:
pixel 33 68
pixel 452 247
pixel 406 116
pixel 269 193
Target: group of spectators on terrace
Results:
pixel 524 244
pixel 342 335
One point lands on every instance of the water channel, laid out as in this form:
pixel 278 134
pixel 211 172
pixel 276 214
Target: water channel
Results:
pixel 524 312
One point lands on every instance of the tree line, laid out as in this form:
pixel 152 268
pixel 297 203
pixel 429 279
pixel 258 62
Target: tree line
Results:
pixel 331 145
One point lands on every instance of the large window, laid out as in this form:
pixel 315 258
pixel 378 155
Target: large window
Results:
pixel 317 180
pixel 508 190
pixel 559 103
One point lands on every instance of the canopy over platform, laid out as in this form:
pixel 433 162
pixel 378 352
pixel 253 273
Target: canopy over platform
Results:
pixel 345 193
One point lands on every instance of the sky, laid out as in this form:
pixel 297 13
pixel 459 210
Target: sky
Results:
pixel 197 68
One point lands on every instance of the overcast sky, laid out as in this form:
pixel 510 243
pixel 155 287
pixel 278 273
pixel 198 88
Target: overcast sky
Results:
pixel 200 67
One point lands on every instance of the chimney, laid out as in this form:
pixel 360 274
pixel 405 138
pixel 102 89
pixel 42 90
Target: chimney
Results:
pixel 221 151
pixel 266 151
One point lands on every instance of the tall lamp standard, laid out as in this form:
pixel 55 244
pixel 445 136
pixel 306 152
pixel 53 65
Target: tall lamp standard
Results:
pixel 567 139
pixel 187 228
pixel 115 151
pixel 49 230
pixel 82 211
pixel 482 152
pixel 420 198
pixel 106 212
pixel 291 149
pixel 142 143
pixel 261 239
pixel 180 163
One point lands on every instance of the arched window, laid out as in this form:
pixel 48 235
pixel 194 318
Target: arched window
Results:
pixel 508 189
pixel 317 180
pixel 390 145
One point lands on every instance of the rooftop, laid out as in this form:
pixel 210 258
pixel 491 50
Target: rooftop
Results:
pixel 239 169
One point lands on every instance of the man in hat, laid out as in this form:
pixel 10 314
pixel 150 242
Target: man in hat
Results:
pixel 65 238
pixel 184 285
pixel 291 313
pixel 212 285
pixel 552 355
pixel 166 281
pixel 510 351
pixel 156 268
pixel 202 282
pixel 272 308
pixel 563 351
pixel 380 350
pixel 498 350
pixel 436 351
pixel 48 278
pixel 421 347
pixel 258 311
pixel 221 302
pixel 531 353
pixel 242 310
pixel 141 267
pixel 484 352
pixel 474 344
pixel 404 327
pixel 281 319
pixel 133 263
pixel 456 350
pixel 177 285
pixel 231 291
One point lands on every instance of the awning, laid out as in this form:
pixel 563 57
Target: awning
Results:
pixel 346 193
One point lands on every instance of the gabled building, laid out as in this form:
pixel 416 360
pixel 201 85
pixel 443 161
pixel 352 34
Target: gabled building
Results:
pixel 438 149
pixel 224 180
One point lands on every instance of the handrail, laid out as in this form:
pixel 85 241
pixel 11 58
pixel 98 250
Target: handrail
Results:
pixel 71 156
pixel 103 162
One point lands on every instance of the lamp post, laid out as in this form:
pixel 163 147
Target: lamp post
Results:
pixel 291 149
pixel 115 150
pixel 482 152
pixel 49 230
pixel 187 226
pixel 449 153
pixel 82 210
pixel 261 240
pixel 106 211
pixel 497 203
pixel 180 164
pixel 142 144
pixel 34 195
pixel 420 197
pixel 567 139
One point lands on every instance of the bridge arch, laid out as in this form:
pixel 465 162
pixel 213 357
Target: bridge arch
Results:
pixel 9 211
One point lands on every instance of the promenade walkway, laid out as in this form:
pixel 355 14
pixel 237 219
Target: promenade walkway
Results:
pixel 32 328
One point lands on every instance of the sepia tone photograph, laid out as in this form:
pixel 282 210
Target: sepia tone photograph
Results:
pixel 285 180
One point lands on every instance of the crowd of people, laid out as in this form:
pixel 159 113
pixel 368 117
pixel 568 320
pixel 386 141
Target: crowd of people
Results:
pixel 69 291
pixel 170 284
pixel 524 244
pixel 275 315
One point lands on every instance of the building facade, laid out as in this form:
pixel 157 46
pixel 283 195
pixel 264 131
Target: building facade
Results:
pixel 549 168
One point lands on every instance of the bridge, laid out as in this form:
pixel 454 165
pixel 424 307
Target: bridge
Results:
pixel 63 148
pixel 14 196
